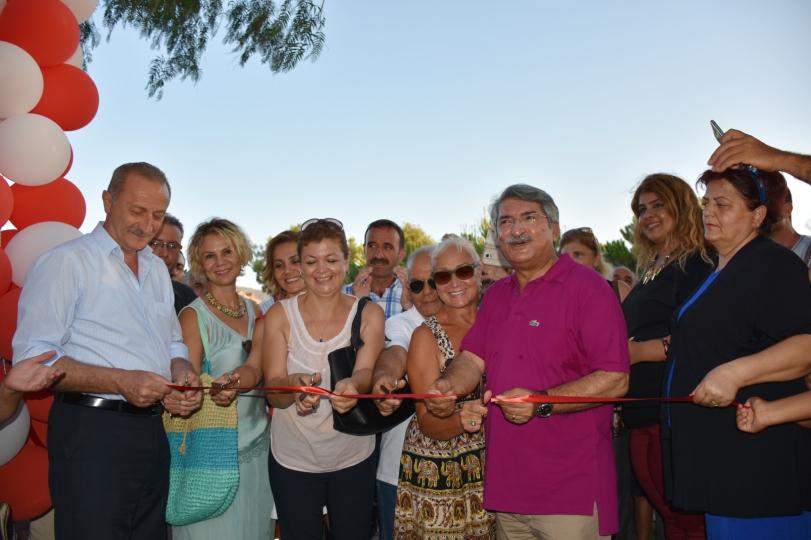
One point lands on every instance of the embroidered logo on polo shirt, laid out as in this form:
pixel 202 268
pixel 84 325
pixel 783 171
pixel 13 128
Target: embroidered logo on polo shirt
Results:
pixel 534 323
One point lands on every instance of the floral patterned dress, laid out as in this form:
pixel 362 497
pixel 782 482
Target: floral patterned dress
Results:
pixel 439 494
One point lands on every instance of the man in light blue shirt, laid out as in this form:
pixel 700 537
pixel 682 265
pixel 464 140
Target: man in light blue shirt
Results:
pixel 104 304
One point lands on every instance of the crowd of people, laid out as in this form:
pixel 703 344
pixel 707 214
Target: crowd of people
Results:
pixel 717 310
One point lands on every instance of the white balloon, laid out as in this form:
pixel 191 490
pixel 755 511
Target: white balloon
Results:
pixel 82 9
pixel 14 433
pixel 22 81
pixel 28 244
pixel 77 58
pixel 33 149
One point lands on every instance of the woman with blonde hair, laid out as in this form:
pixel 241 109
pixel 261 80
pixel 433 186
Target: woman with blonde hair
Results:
pixel 672 259
pixel 217 329
pixel 282 272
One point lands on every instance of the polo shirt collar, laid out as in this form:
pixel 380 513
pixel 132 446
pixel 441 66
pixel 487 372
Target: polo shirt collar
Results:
pixel 556 273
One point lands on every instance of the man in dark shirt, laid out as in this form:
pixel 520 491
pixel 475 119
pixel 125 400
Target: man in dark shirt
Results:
pixel 167 245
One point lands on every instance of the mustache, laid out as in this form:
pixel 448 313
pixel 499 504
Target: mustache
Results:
pixel 379 260
pixel 520 239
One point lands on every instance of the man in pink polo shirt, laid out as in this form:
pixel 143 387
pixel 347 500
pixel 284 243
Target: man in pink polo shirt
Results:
pixel 553 327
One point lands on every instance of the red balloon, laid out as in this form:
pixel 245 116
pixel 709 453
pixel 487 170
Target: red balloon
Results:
pixel 46 29
pixel 69 97
pixel 5 272
pixel 59 200
pixel 6 201
pixel 8 320
pixel 39 404
pixel 39 435
pixel 6 236
pixel 24 483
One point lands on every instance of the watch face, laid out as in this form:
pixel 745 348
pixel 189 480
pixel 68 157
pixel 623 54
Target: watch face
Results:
pixel 544 410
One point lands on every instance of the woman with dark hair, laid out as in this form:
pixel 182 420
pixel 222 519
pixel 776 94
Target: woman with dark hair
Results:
pixel 745 331
pixel 282 272
pixel 216 328
pixel 312 464
pixel 672 260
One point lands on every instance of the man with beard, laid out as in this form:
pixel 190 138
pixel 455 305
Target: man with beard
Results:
pixel 383 279
pixel 167 245
pixel 552 328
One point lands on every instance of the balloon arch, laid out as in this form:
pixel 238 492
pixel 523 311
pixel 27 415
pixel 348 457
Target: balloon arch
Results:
pixel 45 92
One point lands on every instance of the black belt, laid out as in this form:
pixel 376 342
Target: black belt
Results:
pixel 117 405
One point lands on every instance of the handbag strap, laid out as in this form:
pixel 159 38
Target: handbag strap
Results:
pixel 206 364
pixel 355 341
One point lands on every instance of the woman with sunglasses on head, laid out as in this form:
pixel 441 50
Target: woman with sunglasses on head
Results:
pixel 217 328
pixel 672 260
pixel 439 494
pixel 312 464
pixel 582 246
pixel 746 331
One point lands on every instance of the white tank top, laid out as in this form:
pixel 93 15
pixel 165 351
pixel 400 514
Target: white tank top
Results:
pixel 309 443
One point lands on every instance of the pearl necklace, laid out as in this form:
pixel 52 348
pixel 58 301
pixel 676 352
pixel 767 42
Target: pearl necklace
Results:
pixel 225 310
pixel 654 269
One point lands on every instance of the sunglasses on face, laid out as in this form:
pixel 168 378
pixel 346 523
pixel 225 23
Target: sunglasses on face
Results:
pixel 330 221
pixel 463 272
pixel 417 285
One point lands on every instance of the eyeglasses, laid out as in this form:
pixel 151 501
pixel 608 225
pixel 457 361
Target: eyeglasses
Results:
pixel 466 271
pixel 173 246
pixel 417 285
pixel 330 221
pixel 754 172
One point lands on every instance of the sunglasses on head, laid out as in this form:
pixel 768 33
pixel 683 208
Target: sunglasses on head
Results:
pixel 463 272
pixel 329 221
pixel 417 285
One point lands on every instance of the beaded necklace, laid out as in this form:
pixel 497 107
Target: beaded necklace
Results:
pixel 225 310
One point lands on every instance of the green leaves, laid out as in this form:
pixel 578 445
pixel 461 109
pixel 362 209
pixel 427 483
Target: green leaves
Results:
pixel 281 36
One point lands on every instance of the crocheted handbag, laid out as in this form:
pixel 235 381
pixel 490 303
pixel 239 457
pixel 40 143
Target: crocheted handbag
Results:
pixel 204 471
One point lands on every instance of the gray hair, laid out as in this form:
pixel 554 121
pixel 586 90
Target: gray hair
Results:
pixel 144 169
pixel 528 193
pixel 424 250
pixel 453 241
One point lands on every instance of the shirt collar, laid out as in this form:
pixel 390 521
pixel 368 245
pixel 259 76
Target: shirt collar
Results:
pixel 109 246
pixel 557 272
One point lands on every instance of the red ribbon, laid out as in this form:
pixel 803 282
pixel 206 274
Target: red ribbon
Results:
pixel 529 398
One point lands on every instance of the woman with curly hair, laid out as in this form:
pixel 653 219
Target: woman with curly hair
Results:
pixel 672 260
pixel 282 272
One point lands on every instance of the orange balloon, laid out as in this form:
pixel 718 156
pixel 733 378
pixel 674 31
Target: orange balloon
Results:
pixel 24 483
pixel 69 97
pixel 8 320
pixel 6 201
pixel 59 200
pixel 45 29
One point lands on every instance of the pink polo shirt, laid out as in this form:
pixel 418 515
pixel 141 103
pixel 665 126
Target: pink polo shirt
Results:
pixel 562 326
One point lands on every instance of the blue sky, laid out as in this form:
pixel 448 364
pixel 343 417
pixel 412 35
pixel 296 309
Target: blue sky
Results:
pixel 423 111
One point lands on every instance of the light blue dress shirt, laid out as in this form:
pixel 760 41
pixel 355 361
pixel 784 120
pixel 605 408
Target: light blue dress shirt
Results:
pixel 81 300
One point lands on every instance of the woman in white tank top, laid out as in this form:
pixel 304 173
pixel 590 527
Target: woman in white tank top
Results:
pixel 311 464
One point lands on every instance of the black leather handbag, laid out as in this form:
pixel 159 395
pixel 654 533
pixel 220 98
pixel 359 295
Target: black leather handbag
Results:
pixel 363 418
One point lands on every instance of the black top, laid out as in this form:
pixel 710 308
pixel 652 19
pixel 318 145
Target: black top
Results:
pixel 648 309
pixel 184 295
pixel 760 298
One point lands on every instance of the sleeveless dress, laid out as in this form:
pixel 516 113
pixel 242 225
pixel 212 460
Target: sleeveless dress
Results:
pixel 248 517
pixel 439 494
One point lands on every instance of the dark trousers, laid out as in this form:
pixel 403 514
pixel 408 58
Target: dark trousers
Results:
pixel 300 498
pixel 109 474
pixel 646 459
